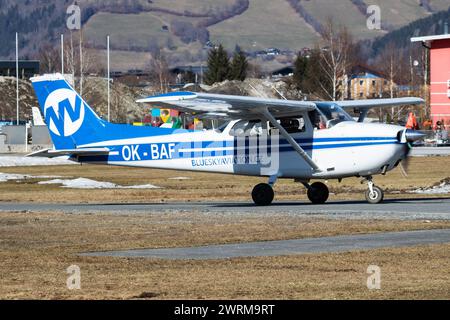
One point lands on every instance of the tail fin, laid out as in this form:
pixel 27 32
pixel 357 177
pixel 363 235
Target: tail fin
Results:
pixel 70 120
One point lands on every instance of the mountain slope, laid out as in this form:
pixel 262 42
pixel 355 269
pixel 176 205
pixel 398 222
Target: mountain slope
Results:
pixel 182 27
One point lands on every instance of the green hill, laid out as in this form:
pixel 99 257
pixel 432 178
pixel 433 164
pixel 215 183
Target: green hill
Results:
pixel 183 27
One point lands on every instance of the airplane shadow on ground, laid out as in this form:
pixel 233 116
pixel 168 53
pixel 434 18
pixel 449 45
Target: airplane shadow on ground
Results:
pixel 334 203
pixel 280 203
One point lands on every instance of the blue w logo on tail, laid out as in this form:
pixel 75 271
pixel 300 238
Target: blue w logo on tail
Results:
pixel 64 112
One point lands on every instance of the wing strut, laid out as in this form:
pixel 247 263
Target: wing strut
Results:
pixel 291 140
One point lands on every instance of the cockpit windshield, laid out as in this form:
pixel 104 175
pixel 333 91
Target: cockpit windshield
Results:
pixel 334 114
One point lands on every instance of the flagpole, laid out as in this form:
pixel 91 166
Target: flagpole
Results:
pixel 17 77
pixel 109 80
pixel 62 54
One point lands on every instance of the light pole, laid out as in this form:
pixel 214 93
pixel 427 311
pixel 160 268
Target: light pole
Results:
pixel 109 80
pixel 17 77
pixel 62 54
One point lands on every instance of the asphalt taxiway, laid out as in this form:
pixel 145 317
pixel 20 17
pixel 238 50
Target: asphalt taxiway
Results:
pixel 402 209
pixel 289 247
pixel 398 209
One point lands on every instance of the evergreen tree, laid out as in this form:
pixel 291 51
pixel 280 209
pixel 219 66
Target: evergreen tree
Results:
pixel 239 67
pixel 300 70
pixel 309 77
pixel 218 66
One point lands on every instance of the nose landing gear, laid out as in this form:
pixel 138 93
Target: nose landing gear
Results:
pixel 374 194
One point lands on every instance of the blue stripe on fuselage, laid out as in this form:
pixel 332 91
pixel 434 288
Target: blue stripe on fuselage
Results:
pixel 169 151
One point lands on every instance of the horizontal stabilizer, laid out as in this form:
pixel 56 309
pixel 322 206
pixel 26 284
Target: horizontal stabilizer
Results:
pixel 50 153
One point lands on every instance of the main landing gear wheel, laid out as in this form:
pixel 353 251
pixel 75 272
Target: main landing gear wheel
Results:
pixel 318 193
pixel 375 196
pixel 263 194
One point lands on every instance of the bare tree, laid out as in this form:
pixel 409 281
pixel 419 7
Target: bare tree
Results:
pixel 335 58
pixel 389 64
pixel 159 68
pixel 78 59
pixel 50 58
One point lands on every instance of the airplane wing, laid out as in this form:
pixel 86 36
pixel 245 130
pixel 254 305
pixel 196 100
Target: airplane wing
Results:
pixel 374 103
pixel 216 106
pixel 237 107
pixel 365 105
pixel 49 153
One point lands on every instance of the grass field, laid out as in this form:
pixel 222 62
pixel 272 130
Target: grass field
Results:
pixel 195 6
pixel 131 30
pixel 343 13
pixel 267 23
pixel 36 250
pixel 440 4
pixel 400 13
pixel 424 172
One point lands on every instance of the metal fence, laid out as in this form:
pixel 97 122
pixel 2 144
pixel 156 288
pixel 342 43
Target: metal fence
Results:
pixel 436 138
pixel 19 139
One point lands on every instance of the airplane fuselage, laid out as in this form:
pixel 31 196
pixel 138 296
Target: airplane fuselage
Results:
pixel 345 150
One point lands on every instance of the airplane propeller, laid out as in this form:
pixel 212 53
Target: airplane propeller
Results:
pixel 409 137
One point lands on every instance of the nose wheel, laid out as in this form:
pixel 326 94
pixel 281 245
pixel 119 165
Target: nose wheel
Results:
pixel 374 194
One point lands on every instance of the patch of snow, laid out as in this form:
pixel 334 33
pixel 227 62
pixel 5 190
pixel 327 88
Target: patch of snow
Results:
pixel 180 178
pixel 442 188
pixel 83 183
pixel 145 186
pixel 4 177
pixel 22 161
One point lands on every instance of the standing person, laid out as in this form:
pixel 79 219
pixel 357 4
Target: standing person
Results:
pixel 412 122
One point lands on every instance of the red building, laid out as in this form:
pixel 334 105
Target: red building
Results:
pixel 439 76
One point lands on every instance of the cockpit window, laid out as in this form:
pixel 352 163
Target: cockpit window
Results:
pixel 333 114
pixel 222 127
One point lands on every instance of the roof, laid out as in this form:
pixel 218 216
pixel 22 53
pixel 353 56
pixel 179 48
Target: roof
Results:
pixel 22 64
pixel 361 70
pixel 193 69
pixel 431 38
pixel 367 75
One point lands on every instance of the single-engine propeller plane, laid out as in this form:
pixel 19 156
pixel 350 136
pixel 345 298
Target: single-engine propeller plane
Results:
pixel 276 139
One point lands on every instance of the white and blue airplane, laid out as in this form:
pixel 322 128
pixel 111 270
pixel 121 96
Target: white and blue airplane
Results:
pixel 276 139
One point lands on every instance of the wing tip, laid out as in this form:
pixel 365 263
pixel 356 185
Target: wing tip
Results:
pixel 167 97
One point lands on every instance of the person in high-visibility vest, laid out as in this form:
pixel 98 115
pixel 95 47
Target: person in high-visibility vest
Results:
pixel 412 122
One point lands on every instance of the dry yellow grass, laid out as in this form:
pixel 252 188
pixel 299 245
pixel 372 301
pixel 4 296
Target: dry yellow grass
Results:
pixel 36 250
pixel 424 172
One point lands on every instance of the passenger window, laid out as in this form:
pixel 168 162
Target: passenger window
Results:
pixel 318 120
pixel 247 129
pixel 293 124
